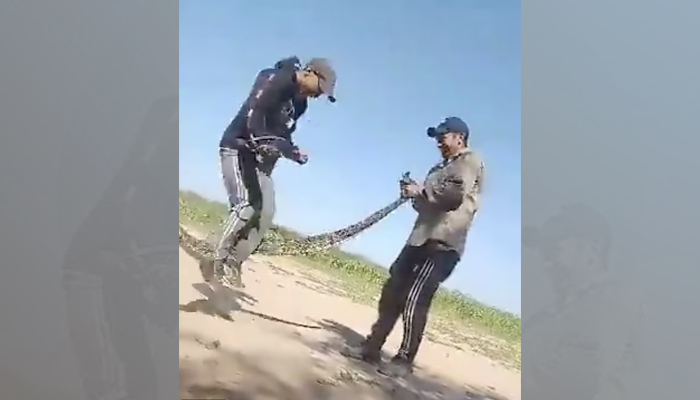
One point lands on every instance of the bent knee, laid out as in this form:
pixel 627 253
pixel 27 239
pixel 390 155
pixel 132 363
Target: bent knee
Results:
pixel 244 211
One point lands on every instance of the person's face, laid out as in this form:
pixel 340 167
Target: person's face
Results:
pixel 450 144
pixel 310 83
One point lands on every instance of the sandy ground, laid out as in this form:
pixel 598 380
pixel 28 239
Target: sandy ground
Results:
pixel 283 338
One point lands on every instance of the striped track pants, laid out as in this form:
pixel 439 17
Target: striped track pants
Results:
pixel 251 199
pixel 415 277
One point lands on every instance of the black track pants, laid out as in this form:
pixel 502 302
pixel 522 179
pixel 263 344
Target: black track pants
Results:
pixel 414 279
pixel 251 197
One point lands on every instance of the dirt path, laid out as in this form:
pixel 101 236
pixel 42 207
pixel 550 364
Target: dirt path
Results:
pixel 283 342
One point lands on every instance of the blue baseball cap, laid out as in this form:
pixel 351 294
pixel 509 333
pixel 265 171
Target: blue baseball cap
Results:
pixel 449 125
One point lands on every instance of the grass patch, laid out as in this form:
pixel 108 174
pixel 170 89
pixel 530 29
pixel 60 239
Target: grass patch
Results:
pixel 457 317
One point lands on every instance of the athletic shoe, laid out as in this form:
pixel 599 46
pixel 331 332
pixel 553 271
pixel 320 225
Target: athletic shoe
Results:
pixel 229 275
pixel 397 368
pixel 362 354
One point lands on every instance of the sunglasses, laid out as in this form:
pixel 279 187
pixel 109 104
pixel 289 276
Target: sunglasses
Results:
pixel 442 137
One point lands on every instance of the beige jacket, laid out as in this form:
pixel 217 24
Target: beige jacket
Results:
pixel 449 201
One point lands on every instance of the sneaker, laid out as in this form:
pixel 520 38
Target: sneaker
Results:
pixel 206 267
pixel 397 368
pixel 362 354
pixel 237 275
pixel 229 275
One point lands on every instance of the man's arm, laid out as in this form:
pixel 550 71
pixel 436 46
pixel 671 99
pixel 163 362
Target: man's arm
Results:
pixel 447 193
pixel 289 134
pixel 269 88
pixel 418 202
pixel 301 108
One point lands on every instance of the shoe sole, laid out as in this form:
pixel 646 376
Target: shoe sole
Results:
pixel 358 357
pixel 231 282
pixel 390 374
pixel 221 302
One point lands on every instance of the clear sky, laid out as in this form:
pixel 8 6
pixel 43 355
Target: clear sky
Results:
pixel 402 66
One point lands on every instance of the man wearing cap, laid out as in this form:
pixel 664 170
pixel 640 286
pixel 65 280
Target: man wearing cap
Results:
pixel 266 121
pixel 446 203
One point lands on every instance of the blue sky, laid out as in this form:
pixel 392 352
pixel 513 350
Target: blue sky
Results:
pixel 402 66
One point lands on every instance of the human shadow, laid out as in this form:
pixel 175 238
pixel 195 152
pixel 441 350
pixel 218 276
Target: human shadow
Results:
pixel 420 385
pixel 196 381
pixel 205 380
pixel 330 377
pixel 222 303
pixel 213 305
pixel 240 296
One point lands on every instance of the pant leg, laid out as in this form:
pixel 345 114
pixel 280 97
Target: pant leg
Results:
pixel 437 266
pixel 250 241
pixel 393 296
pixel 240 176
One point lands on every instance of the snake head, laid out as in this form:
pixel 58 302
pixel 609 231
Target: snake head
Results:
pixel 406 179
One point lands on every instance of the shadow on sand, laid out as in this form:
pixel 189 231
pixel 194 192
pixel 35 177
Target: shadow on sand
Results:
pixel 332 376
pixel 228 302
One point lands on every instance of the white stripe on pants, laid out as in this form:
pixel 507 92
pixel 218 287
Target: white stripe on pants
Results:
pixel 414 293
pixel 239 200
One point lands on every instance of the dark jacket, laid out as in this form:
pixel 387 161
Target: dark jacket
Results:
pixel 271 109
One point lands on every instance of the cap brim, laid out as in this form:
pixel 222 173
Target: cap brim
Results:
pixel 433 132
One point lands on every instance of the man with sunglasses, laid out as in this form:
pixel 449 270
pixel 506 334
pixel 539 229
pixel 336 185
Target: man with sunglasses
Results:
pixel 250 147
pixel 446 203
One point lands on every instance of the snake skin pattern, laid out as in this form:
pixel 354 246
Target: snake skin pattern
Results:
pixel 309 245
pixel 341 235
pixel 200 249
pixel 314 244
pixel 195 247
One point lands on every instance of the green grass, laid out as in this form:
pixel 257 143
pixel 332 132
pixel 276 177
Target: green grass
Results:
pixel 457 317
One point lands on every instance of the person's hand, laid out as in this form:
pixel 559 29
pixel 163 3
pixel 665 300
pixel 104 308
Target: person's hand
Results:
pixel 301 157
pixel 411 190
pixel 267 150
